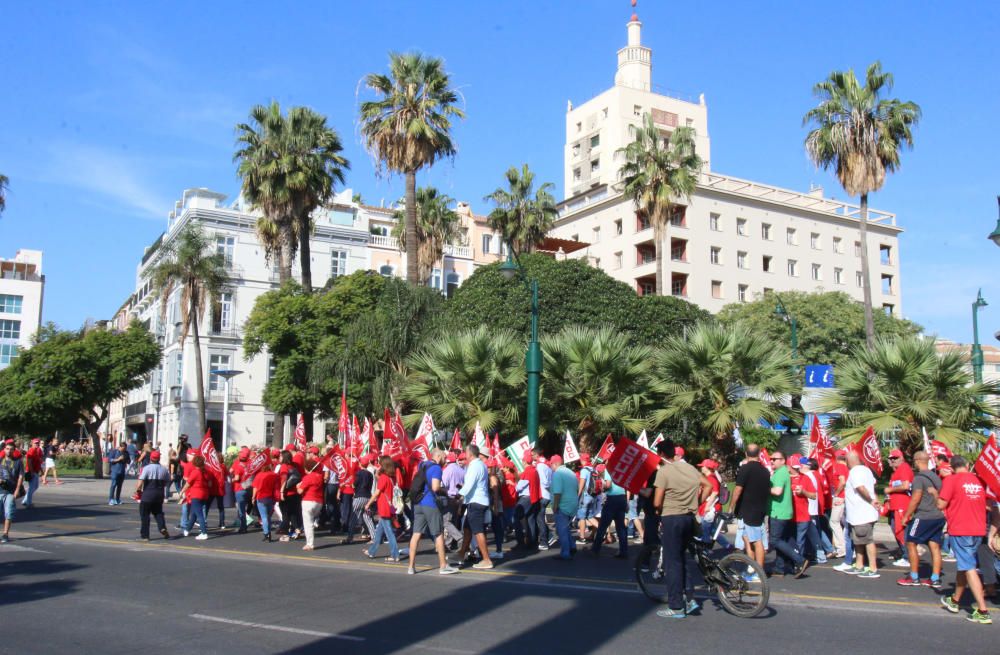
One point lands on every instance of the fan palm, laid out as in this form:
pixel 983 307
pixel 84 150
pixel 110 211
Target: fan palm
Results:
pixel 904 386
pixel 740 376
pixel 597 381
pixel 522 216
pixel 189 263
pixel 436 226
pixel 657 172
pixel 469 377
pixel 4 185
pixel 409 126
pixel 859 133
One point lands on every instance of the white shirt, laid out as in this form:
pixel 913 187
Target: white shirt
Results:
pixel 814 502
pixel 857 510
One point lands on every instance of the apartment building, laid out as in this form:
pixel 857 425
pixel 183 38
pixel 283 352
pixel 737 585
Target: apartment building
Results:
pixel 22 289
pixel 734 239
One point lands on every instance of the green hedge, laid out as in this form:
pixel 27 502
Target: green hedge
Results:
pixel 74 461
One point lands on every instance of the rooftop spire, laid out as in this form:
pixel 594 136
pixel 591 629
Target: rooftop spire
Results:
pixel 635 16
pixel 634 60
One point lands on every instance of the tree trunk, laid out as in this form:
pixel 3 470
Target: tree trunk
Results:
pixel 90 427
pixel 307 420
pixel 305 254
pixel 193 317
pixel 657 243
pixel 866 281
pixel 286 256
pixel 412 272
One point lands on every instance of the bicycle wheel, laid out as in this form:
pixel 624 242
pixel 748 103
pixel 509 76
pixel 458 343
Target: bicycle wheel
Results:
pixel 742 585
pixel 649 574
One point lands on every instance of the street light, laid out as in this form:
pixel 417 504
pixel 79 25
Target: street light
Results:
pixel 780 310
pixel 227 375
pixel 157 397
pixel 533 358
pixel 977 350
pixel 995 234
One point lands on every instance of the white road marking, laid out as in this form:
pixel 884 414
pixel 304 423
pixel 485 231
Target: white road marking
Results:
pixel 23 549
pixel 276 628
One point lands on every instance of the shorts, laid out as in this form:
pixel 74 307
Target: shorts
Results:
pixel 587 508
pixel 633 509
pixel 427 519
pixel 922 531
pixel 964 549
pixel 475 518
pixel 863 534
pixel 50 463
pixel 753 533
pixel 8 504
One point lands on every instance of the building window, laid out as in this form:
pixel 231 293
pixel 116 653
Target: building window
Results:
pixel 637 110
pixel 8 353
pixel 222 312
pixel 678 218
pixel 178 368
pixel 888 309
pixel 338 263
pixel 453 281
pixel 814 241
pixel 765 231
pixel 677 285
pixel 272 368
pixel 716 289
pixel 604 113
pixel 595 140
pixel 579 127
pixel 885 255
pixel 10 329
pixel 641 222
pixel 487 244
pixel 436 279
pixel 859 279
pixel 741 260
pixel 618 260
pixel 595 165
pixel 857 248
pixel 385 271
pixel 217 363
pixel 793 268
pixel 10 304
pixel 715 255
pixel 224 246
pixel 741 227
pixel 765 264
pixel 688 122
pixel 618 227
pixel 817 272
pixel 647 288
pixel 713 222
pixel 741 293
pixel 887 289
pixel 838 245
pixel 678 250
pixel 597 233
pixel 576 174
pixel 790 237
pixel 576 149
pixel 838 276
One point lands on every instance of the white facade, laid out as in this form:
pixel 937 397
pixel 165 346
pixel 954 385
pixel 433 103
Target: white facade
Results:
pixel 735 238
pixel 22 289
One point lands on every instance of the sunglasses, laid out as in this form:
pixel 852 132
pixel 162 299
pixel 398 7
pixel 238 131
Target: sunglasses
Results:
pixel 776 459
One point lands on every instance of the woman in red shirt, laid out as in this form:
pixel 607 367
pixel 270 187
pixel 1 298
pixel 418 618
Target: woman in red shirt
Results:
pixel 382 497
pixel 265 492
pixel 289 500
pixel 196 490
pixel 311 489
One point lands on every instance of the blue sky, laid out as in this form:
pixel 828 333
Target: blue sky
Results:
pixel 110 110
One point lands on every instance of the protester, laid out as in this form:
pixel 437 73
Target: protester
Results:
pixel 924 523
pixel 861 508
pixel 565 506
pixel 427 517
pixel 545 484
pixel 587 491
pixel 364 480
pixel 529 497
pixel 289 499
pixel 750 502
pixel 345 495
pixel 154 480
pixel 11 484
pixel 476 496
pixel 265 493
pixel 51 455
pixel 32 469
pixel 963 499
pixel 711 506
pixel 898 492
pixel 837 475
pixel 787 559
pixel 382 498
pixel 196 492
pixel 118 462
pixel 497 511
pixel 615 509
pixel 806 502
pixel 311 489
pixel 331 490
pixel 241 489
pixel 452 478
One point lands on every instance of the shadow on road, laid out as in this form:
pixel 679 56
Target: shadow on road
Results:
pixel 25 592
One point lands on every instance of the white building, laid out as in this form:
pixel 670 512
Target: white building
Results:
pixel 735 238
pixel 22 289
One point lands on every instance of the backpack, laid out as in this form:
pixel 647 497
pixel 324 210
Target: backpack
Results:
pixel 593 484
pixel 723 493
pixel 418 485
pixel 293 479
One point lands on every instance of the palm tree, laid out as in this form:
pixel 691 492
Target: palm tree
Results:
pixel 656 173
pixel 859 133
pixel 598 381
pixel 522 216
pixel 4 185
pixel 469 377
pixel 903 386
pixel 409 127
pixel 190 264
pixel 738 375
pixel 436 226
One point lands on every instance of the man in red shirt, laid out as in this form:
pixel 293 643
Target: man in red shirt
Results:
pixel 265 491
pixel 963 499
pixel 32 469
pixel 803 500
pixel 899 499
pixel 241 494
pixel 529 503
pixel 837 476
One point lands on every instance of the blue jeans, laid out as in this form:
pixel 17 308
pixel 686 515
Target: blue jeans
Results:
pixel 563 522
pixel 242 500
pixel 115 493
pixel 708 529
pixel 675 533
pixel 614 510
pixel 787 558
pixel 197 511
pixel 499 529
pixel 806 531
pixel 265 506
pixel 346 511
pixel 29 490
pixel 543 532
pixel 384 529
pixel 526 522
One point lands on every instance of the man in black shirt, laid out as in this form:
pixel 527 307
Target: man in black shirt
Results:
pixel 11 483
pixel 751 500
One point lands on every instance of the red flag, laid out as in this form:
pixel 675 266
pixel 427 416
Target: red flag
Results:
pixel 391 445
pixel 987 465
pixel 868 450
pixel 400 433
pixel 604 454
pixel 496 445
pixel 938 448
pixel 456 440
pixel 255 464
pixel 343 425
pixel 631 465
pixel 300 434
pixel 212 460
pixel 821 449
pixel 765 459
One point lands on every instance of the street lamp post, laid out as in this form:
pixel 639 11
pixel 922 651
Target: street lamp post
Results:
pixel 533 358
pixel 977 350
pixel 780 310
pixel 227 375
pixel 157 403
pixel 995 234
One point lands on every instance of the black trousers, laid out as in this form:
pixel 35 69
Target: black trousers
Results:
pixel 154 509
pixel 291 514
pixel 675 533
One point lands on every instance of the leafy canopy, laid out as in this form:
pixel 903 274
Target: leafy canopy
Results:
pixel 523 215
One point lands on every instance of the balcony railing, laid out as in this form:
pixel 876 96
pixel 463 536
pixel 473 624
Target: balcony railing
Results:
pixel 224 332
pixel 464 252
pixel 219 395
pixel 384 241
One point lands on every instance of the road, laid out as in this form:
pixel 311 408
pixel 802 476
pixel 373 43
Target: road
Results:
pixel 75 571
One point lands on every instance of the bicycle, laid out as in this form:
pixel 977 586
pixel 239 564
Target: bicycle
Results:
pixel 738 580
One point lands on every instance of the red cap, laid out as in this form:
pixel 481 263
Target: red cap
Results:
pixel 154 456
pixel 364 460
pixel 451 458
pixel 275 452
pixel 555 461
pixel 462 457
pixel 191 452
pixel 678 451
pixel 36 440
pixel 584 459
pixel 313 450
pixel 795 461
pixel 840 453
pixel 896 452
pixel 528 457
pixel 289 447
pixel 709 464
pixel 9 442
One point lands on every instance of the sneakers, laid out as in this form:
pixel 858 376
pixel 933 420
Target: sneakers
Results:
pixel 111 503
pixel 4 539
pixel 751 578
pixel 671 614
pixel 979 617
pixel 907 581
pixel 849 569
pixel 949 604
pixel 933 583
pixel 801 569
pixel 542 547
pixel 447 570
pixel 186 533
pixel 496 555
pixel 483 566
pixel 202 537
pixel 902 562
pixel 411 571
pixel 947 557
pixel 692 606
pixel 166 535
pixel 868 574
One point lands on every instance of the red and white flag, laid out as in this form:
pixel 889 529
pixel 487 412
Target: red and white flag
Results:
pixel 765 459
pixel 868 450
pixel 343 424
pixel 212 460
pixel 604 454
pixel 456 440
pixel 425 434
pixel 479 438
pixel 631 465
pixel 390 444
pixel 369 444
pixel 642 441
pixel 255 464
pixel 987 465
pixel 938 448
pixel 300 434
pixel 570 453
pixel 820 447
pixel 657 440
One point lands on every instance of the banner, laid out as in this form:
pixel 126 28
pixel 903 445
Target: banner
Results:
pixel 570 453
pixel 868 450
pixel 456 440
pixel 820 447
pixel 391 446
pixel 212 461
pixel 516 452
pixel 300 434
pixel 368 440
pixel 425 434
pixel 343 426
pixel 657 440
pixel 354 445
pixel 938 448
pixel 604 454
pixel 631 465
pixel 255 464
pixel 987 465
pixel 642 441
pixel 765 459
pixel 479 439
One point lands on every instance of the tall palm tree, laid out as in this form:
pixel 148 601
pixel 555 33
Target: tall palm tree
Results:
pixel 436 226
pixel 189 263
pixel 469 377
pixel 903 386
pixel 598 381
pixel 523 216
pixel 741 377
pixel 859 133
pixel 408 127
pixel 656 174
pixel 4 185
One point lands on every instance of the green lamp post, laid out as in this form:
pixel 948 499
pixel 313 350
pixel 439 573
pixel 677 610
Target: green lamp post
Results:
pixel 995 234
pixel 977 350
pixel 533 358
pixel 780 310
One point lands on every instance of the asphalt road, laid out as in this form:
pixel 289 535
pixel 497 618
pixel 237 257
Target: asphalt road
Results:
pixel 76 581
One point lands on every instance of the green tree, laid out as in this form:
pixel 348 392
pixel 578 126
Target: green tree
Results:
pixel 73 377
pixel 656 175
pixel 904 385
pixel 523 216
pixel 468 377
pixel 859 133
pixel 190 265
pixel 831 325
pixel 596 381
pixel 436 226
pixel 4 186
pixel 737 375
pixel 409 126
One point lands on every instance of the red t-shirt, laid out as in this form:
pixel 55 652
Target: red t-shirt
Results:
pixel 966 510
pixel 530 473
pixel 283 472
pixel 823 493
pixel 838 471
pixel 266 483
pixel 312 487
pixel 384 502
pixel 801 503
pixel 236 470
pixel 900 501
pixel 508 491
pixel 715 489
pixel 34 459
pixel 199 483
